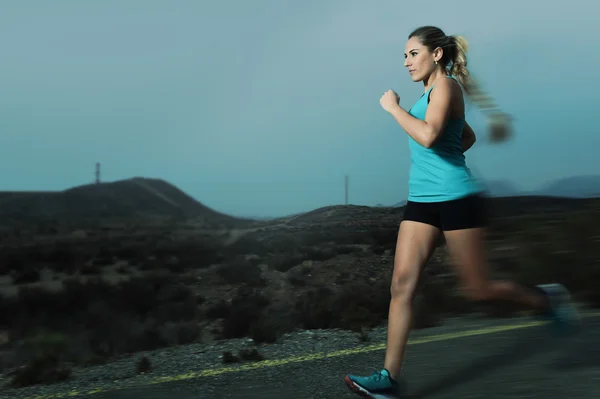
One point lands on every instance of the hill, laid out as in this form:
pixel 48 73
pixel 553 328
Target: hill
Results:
pixel 129 198
pixel 587 186
pixel 103 293
pixel 574 187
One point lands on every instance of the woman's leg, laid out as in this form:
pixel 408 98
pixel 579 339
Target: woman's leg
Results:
pixel 466 248
pixel 415 244
pixel 463 222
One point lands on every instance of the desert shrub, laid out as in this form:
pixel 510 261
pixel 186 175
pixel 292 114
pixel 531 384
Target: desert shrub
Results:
pixel 320 254
pixel 264 330
pixel 99 313
pixel 109 334
pixel 368 309
pixel 200 299
pixel 361 237
pixel 322 307
pixel 348 249
pixel 35 307
pixel 45 343
pixel 245 311
pixel 63 257
pixel 297 281
pixel 143 365
pixel 149 265
pixel 28 274
pixel 248 244
pixel 176 311
pixel 10 260
pixel 104 256
pixel 22 264
pixel 41 370
pixel 128 336
pixel 139 296
pixel 284 262
pixel 174 265
pixel 8 305
pixel 385 237
pixel 378 249
pixel 341 236
pixel 146 336
pixel 201 257
pixel 229 358
pixel 194 254
pixel 176 292
pixel 129 252
pixel 314 309
pixel 319 237
pixel 47 227
pixel 90 270
pixel 286 243
pixel 218 310
pixel 46 352
pixel 165 251
pixel 179 333
pixel 240 271
pixel 252 355
pixel 88 310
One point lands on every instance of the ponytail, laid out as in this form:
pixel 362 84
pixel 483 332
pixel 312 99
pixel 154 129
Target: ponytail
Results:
pixel 454 59
pixel 500 123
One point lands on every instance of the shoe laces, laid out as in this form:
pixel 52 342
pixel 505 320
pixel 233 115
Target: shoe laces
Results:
pixel 377 375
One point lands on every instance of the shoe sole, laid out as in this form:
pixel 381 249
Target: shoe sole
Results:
pixel 360 391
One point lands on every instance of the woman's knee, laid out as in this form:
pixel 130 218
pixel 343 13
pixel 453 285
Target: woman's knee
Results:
pixel 403 285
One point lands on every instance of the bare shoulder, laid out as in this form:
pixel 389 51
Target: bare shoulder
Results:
pixel 447 95
pixel 447 87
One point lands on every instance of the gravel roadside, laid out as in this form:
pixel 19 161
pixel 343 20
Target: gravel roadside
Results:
pixel 180 360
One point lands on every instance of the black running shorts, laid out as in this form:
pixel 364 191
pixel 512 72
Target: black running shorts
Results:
pixel 463 213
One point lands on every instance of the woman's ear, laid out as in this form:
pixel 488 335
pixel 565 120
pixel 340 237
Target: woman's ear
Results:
pixel 438 53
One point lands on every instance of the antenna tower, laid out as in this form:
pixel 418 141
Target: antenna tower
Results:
pixel 97 172
pixel 346 184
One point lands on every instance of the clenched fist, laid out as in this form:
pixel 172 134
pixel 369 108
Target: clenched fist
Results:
pixel 389 100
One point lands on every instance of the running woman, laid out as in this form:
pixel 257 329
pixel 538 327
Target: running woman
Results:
pixel 444 198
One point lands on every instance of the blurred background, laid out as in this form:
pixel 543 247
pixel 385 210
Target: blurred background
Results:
pixel 183 172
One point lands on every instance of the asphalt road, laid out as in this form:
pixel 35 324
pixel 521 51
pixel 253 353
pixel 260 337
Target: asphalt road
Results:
pixel 521 363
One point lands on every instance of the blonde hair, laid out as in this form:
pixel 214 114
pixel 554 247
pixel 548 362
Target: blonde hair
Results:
pixel 454 60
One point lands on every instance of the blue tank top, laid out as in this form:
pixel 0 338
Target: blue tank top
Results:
pixel 439 173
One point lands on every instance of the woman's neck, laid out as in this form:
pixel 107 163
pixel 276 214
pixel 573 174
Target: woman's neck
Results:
pixel 437 74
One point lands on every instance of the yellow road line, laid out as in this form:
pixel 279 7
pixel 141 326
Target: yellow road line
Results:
pixel 303 358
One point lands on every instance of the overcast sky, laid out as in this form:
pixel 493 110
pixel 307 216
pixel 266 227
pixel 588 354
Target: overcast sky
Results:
pixel 260 108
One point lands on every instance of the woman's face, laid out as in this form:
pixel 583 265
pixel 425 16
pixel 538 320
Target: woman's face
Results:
pixel 418 59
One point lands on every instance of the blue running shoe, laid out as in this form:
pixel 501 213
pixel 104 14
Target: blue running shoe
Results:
pixel 376 386
pixel 562 314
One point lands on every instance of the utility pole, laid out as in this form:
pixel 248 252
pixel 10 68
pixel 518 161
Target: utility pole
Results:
pixel 97 172
pixel 346 183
